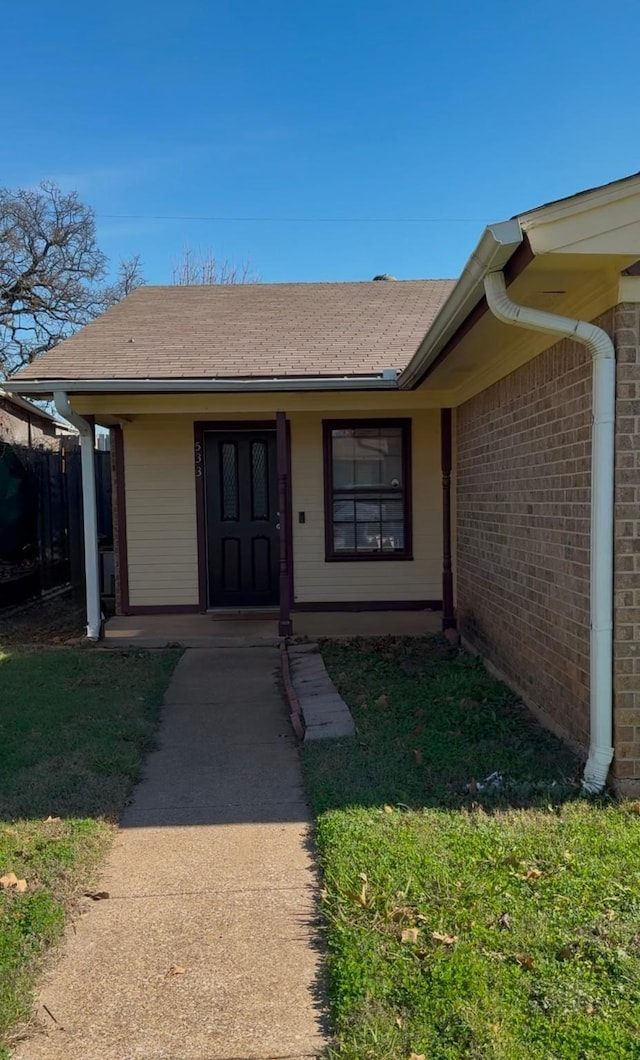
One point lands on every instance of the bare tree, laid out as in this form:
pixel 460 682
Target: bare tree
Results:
pixel 52 271
pixel 205 268
pixel 129 277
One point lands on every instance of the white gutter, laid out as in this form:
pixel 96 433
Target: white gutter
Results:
pixel 90 519
pixel 602 351
pixel 496 246
pixel 386 380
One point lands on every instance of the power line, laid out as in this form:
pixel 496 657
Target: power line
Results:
pixel 294 220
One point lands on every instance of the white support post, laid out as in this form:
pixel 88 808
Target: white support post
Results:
pixel 90 516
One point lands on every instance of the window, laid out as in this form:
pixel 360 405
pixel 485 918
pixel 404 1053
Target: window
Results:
pixel 367 489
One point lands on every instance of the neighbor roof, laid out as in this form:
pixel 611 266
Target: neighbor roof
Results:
pixel 250 331
pixel 33 410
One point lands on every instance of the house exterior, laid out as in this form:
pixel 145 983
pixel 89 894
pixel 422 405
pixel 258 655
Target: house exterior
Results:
pixel 23 423
pixel 466 446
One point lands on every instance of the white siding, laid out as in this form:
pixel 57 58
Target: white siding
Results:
pixel 161 511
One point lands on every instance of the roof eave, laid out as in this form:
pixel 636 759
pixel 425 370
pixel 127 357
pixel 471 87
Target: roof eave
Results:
pixel 386 380
pixel 496 246
pixel 30 408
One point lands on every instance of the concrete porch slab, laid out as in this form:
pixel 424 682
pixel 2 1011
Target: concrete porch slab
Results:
pixel 235 631
pixel 189 631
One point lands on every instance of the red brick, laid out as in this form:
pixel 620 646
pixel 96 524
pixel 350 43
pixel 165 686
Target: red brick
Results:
pixel 523 504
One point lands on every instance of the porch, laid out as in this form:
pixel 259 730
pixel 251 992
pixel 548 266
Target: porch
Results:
pixel 208 631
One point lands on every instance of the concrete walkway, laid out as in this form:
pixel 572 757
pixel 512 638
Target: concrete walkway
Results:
pixel 205 948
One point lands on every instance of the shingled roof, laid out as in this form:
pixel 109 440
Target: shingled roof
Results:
pixel 250 331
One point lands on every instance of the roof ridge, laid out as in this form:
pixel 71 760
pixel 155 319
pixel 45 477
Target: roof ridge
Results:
pixel 288 283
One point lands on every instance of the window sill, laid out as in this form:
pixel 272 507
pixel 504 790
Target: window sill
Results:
pixel 371 557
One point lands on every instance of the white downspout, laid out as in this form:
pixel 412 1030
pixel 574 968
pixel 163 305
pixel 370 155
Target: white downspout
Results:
pixel 90 519
pixel 602 508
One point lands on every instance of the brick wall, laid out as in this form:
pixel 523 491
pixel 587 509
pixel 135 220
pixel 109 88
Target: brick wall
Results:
pixel 523 531
pixel 627 564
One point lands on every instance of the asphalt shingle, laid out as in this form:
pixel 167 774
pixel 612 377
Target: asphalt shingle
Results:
pixel 251 331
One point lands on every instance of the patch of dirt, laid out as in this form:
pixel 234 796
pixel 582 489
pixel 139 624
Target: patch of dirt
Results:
pixel 54 621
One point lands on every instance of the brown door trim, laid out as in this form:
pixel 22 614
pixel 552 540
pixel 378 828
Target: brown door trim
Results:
pixel 199 428
pixel 283 449
pixel 119 504
pixel 448 613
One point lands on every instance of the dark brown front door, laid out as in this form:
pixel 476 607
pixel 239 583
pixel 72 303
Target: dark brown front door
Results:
pixel 243 524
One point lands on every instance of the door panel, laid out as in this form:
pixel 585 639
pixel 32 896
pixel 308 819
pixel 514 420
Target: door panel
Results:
pixel 243 541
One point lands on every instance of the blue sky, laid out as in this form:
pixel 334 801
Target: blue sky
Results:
pixel 374 137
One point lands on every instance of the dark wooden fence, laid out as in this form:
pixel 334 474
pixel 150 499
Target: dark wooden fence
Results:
pixel 41 539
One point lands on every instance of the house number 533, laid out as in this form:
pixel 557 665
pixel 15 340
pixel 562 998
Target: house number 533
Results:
pixel 198 459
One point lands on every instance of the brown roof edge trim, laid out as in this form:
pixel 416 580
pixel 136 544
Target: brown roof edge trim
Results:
pixel 517 263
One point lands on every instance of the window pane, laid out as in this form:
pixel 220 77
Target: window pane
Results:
pixel 343 460
pixel 344 537
pixel 366 457
pixel 392 537
pixel 367 510
pixel 393 510
pixel 343 511
pixel 229 480
pixel 259 481
pixel 368 537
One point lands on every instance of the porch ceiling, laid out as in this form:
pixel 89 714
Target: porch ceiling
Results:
pixel 572 285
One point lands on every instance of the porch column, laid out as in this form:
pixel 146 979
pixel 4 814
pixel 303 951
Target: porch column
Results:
pixel 448 614
pixel 285 628
pixel 89 513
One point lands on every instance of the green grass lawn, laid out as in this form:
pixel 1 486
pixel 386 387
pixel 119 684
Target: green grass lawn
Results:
pixel 74 725
pixel 463 923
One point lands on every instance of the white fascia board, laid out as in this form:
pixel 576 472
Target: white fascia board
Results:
pixel 387 381
pixel 496 246
pixel 605 195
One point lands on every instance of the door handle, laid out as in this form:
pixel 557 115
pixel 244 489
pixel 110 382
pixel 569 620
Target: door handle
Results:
pixel 277 526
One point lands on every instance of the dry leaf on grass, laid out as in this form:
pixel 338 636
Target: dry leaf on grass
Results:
pixel 446 940
pixel 525 961
pixel 382 702
pixel 51 820
pixel 401 912
pixel 175 969
pixel 418 757
pixel 532 874
pixel 505 922
pixel 10 882
pixel 361 897
pixel 388 809
pixel 409 935
pixel 417 1056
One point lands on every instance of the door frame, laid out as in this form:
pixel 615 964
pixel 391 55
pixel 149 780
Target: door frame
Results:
pixel 281 427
